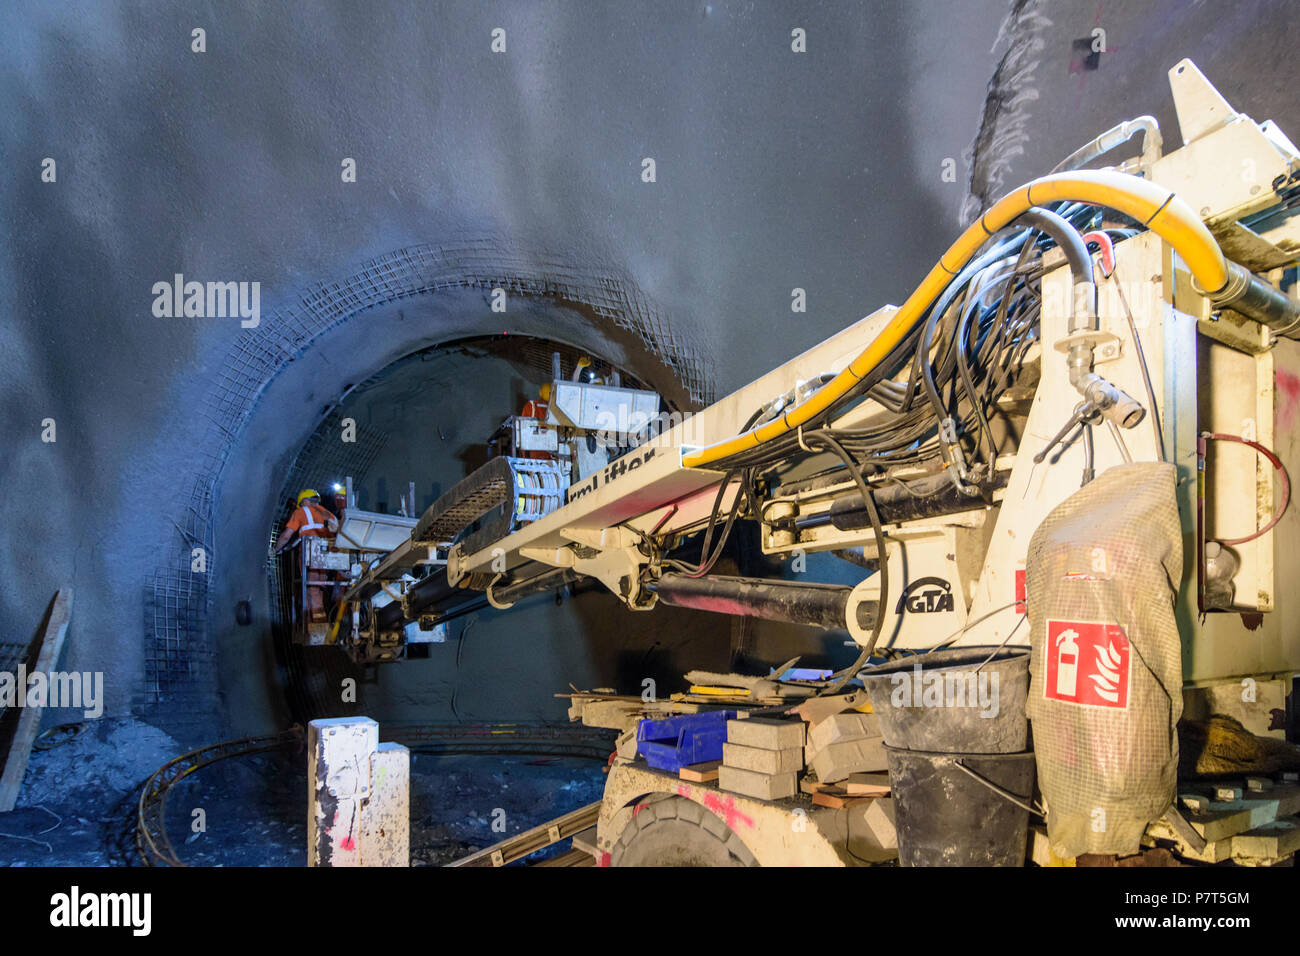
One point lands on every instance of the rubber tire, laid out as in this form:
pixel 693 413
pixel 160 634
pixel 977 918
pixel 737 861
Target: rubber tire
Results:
pixel 679 832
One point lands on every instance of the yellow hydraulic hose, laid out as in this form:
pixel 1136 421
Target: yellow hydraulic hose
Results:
pixel 1156 207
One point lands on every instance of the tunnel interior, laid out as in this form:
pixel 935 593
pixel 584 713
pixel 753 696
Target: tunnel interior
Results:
pixel 840 174
pixel 425 419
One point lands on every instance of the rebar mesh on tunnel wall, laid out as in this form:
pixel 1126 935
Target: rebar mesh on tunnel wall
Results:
pixel 176 599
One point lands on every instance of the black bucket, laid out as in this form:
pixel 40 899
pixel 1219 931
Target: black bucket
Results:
pixel 947 816
pixel 903 699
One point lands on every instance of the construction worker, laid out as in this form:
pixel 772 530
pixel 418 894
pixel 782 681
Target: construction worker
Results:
pixel 586 373
pixel 310 519
pixel 536 408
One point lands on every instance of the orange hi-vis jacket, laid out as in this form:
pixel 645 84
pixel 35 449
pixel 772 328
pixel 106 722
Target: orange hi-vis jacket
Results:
pixel 310 521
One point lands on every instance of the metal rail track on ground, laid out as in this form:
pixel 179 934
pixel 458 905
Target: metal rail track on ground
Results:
pixel 538 838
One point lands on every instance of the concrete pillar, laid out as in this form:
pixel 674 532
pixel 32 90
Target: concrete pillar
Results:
pixel 386 814
pixel 358 795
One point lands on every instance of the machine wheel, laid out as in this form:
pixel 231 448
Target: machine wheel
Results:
pixel 679 832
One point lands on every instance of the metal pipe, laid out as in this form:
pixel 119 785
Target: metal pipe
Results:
pixel 898 501
pixel 1249 295
pixel 1152 143
pixel 435 592
pixel 820 605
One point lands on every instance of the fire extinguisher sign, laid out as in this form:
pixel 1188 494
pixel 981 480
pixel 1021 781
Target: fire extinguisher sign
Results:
pixel 1087 663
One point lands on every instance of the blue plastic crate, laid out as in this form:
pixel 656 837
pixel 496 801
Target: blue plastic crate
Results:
pixel 676 742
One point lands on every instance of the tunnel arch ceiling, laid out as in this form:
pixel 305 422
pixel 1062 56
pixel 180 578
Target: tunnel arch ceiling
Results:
pixel 279 379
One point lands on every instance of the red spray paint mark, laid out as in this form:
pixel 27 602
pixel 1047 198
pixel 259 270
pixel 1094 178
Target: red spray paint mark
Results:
pixel 348 843
pixel 604 859
pixel 727 810
pixel 638 808
pixel 1288 394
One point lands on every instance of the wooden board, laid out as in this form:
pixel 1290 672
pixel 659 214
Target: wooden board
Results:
pixel 846 793
pixel 837 801
pixel 53 630
pixel 700 772
pixel 866 784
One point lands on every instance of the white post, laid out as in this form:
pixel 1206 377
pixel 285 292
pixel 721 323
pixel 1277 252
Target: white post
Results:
pixel 358 795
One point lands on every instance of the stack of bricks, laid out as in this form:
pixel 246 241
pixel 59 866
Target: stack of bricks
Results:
pixel 845 744
pixel 762 758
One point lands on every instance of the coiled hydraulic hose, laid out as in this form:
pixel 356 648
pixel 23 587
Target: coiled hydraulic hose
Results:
pixel 1154 206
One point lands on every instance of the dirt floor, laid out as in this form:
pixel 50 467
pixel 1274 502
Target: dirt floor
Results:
pixel 78 803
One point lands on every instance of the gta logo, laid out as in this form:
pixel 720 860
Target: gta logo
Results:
pixel 926 596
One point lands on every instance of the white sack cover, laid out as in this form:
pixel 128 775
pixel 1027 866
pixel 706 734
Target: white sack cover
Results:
pixel 1105 691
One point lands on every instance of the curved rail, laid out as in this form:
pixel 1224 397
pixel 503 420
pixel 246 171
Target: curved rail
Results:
pixel 558 740
pixel 151 824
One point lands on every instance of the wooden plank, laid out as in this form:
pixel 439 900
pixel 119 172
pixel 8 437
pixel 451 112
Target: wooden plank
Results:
pixel 837 801
pixel 53 630
pixel 866 784
pixel 701 772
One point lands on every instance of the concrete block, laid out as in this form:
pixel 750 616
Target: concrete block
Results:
pixel 1194 802
pixel 864 755
pixel 842 727
pixel 358 795
pixel 1258 784
pixel 873 834
pixel 1227 794
pixel 766 734
pixel 338 780
pixel 386 812
pixel 759 760
pixel 625 745
pixel 760 785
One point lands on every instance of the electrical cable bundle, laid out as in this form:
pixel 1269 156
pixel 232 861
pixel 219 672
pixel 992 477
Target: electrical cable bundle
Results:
pixel 937 389
pixel 953 365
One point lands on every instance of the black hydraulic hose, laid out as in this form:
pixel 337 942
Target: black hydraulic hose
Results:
pixel 968 380
pixel 844 676
pixel 1066 237
pixel 940 307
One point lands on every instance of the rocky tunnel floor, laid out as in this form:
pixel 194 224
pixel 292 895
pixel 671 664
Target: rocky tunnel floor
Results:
pixel 78 803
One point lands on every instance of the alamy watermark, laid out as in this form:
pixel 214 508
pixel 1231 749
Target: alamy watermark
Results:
pixel 208 300
pixel 79 690
pixel 946 688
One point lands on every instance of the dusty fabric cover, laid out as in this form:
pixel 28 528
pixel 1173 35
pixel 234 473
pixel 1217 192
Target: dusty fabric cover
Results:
pixel 1105 694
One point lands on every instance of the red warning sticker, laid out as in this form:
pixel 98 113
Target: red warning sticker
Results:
pixel 1087 663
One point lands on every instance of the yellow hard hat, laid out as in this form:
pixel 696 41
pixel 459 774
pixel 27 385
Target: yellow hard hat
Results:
pixel 307 493
pixel 545 392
